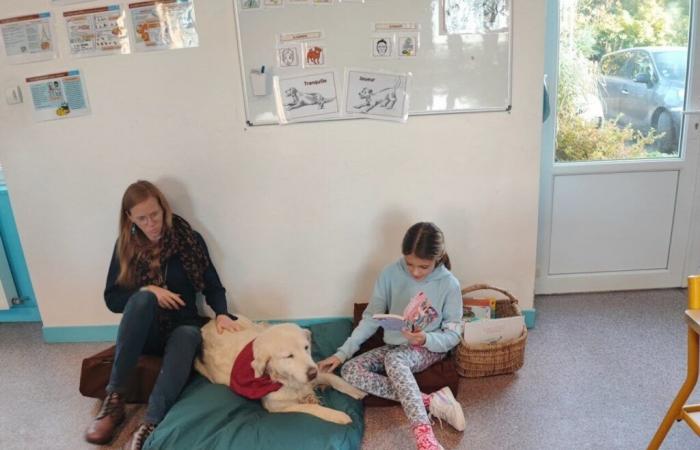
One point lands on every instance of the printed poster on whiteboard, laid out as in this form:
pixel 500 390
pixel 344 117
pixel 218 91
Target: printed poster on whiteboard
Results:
pixel 58 96
pixel 28 38
pixel 163 25
pixel 97 31
pixel 474 16
pixel 377 95
pixel 306 97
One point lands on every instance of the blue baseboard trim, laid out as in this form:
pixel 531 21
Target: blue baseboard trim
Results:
pixel 108 333
pixel 104 333
pixel 19 314
pixel 530 317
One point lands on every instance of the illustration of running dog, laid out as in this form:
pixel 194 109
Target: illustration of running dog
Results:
pixel 386 98
pixel 301 99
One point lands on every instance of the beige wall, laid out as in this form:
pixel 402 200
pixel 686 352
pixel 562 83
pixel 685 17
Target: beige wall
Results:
pixel 299 219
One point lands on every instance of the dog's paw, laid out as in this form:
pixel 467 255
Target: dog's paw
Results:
pixel 339 417
pixel 357 394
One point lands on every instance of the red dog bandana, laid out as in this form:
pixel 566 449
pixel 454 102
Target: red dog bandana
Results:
pixel 243 381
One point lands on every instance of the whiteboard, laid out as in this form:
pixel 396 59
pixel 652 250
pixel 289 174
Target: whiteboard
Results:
pixel 451 72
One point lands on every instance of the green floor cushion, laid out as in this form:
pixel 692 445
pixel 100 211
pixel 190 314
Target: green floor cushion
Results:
pixel 211 417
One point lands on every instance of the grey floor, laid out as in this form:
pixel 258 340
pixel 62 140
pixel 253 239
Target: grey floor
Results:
pixel 600 372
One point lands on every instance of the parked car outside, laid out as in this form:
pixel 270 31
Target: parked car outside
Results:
pixel 645 87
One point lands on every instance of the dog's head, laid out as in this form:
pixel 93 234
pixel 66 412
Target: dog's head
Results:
pixel 283 351
pixel 291 92
pixel 365 93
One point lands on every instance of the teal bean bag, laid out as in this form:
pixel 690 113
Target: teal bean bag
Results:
pixel 211 417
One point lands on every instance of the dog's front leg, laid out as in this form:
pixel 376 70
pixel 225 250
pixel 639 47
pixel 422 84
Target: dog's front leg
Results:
pixel 327 414
pixel 340 385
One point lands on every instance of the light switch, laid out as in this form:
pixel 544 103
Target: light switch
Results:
pixel 13 95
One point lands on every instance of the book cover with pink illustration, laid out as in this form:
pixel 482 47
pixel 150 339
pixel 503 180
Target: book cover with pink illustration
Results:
pixel 416 316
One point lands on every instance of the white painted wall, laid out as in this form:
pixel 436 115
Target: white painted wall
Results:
pixel 299 219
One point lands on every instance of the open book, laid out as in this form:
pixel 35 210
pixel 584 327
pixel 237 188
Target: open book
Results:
pixel 416 316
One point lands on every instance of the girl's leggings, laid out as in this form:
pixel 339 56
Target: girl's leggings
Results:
pixel 399 362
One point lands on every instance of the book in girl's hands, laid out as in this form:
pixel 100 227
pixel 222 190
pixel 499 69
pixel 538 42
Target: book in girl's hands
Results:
pixel 416 316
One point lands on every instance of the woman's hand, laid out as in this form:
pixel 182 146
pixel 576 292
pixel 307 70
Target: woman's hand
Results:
pixel 417 338
pixel 329 364
pixel 224 322
pixel 166 299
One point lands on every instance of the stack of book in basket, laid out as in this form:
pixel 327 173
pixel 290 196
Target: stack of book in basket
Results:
pixel 493 342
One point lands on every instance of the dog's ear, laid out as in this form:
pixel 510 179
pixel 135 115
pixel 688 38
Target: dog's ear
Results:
pixel 308 334
pixel 259 365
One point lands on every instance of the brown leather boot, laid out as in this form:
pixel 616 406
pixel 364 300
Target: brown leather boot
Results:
pixel 102 429
pixel 139 437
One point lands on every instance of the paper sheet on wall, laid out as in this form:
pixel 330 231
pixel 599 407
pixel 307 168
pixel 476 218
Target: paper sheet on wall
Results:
pixel 97 31
pixel 28 38
pixel 163 25
pixel 58 96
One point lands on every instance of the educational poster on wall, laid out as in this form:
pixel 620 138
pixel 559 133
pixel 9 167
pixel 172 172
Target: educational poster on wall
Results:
pixel 28 38
pixel 306 97
pixel 163 25
pixel 474 16
pixel 377 95
pixel 58 96
pixel 97 31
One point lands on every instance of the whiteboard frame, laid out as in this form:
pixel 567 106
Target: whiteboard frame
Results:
pixel 506 108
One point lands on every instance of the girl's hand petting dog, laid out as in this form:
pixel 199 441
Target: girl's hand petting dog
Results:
pixel 329 364
pixel 166 299
pixel 417 338
pixel 224 322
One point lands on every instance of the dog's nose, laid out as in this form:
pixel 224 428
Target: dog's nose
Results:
pixel 311 373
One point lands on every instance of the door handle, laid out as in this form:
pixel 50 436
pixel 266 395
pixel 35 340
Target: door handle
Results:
pixel 624 91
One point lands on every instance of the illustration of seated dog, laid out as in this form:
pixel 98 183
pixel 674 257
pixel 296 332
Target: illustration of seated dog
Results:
pixel 386 98
pixel 300 99
pixel 271 363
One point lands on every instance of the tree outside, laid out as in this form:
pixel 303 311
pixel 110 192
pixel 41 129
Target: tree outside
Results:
pixel 590 29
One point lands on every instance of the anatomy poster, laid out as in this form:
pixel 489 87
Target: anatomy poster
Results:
pixel 58 96
pixel 163 24
pixel 475 16
pixel 378 95
pixel 306 97
pixel 28 38
pixel 97 31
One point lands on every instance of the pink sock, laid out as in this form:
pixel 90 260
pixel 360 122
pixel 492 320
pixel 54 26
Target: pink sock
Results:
pixel 425 439
pixel 426 400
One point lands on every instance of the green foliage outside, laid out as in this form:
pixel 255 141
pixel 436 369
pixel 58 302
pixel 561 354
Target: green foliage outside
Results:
pixel 590 29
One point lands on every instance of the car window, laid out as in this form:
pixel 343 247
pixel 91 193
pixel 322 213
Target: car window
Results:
pixel 641 64
pixel 615 64
pixel 672 64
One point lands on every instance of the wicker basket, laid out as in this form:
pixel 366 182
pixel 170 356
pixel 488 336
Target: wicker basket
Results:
pixel 482 360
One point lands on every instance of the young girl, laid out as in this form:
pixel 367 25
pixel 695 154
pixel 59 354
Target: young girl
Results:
pixel 424 267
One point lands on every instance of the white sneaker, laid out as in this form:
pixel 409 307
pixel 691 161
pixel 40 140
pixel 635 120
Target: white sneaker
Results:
pixel 444 406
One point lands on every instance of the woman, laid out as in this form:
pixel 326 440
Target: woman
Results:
pixel 158 266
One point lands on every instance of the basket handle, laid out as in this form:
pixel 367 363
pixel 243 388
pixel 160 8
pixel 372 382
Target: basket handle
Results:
pixel 481 286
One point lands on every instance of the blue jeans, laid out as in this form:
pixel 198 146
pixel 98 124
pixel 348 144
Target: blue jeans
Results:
pixel 139 333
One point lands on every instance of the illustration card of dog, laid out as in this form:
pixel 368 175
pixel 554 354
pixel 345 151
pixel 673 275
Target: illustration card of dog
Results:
pixel 306 97
pixel 272 363
pixel 377 94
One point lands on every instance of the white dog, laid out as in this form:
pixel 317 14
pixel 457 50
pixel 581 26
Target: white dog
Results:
pixel 272 363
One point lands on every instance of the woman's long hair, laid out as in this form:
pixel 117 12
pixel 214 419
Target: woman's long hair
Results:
pixel 426 241
pixel 132 241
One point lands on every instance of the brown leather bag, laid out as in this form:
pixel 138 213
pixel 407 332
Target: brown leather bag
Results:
pixel 96 369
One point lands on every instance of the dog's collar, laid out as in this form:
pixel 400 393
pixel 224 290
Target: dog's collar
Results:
pixel 243 380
